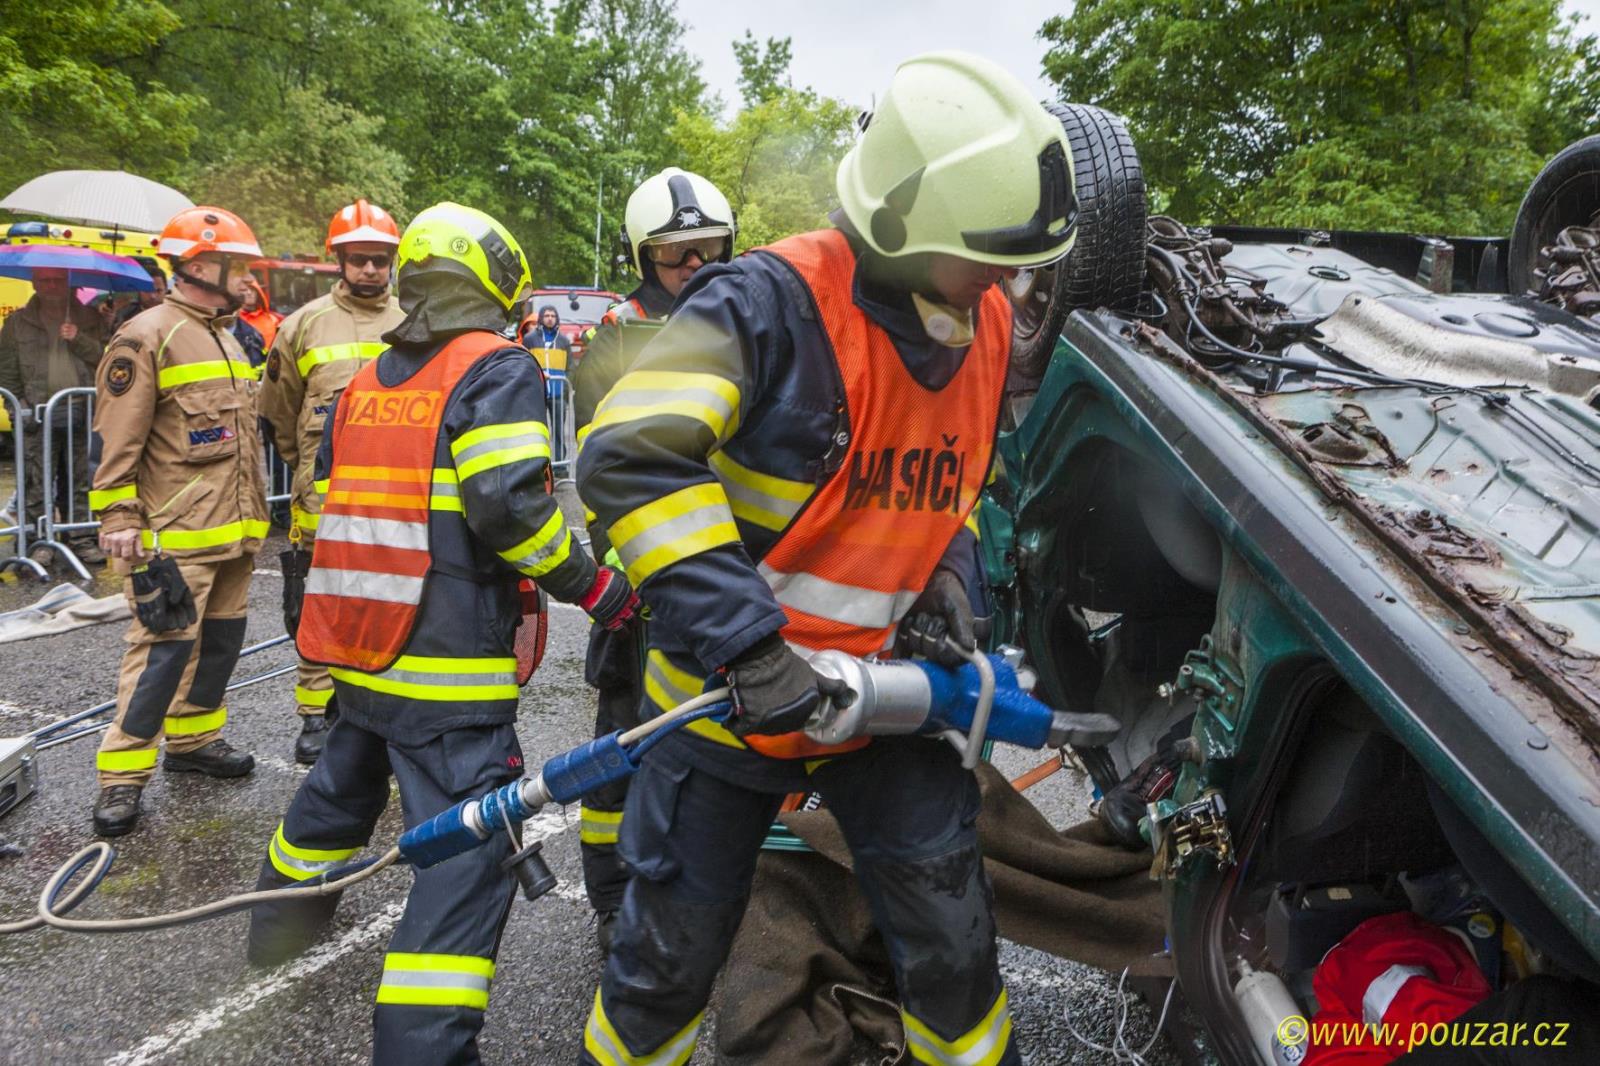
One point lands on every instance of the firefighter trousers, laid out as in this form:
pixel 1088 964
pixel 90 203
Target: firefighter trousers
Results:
pixel 436 975
pixel 173 683
pixel 614 666
pixel 909 813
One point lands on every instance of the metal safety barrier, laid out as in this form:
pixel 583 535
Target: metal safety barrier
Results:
pixel 280 478
pixel 563 432
pixel 14 531
pixel 66 421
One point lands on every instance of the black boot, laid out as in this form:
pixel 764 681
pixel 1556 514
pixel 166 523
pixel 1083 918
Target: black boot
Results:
pixel 308 745
pixel 116 812
pixel 216 759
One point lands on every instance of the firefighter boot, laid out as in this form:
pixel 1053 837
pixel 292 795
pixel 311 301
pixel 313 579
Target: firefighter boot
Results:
pixel 308 745
pixel 216 759
pixel 116 812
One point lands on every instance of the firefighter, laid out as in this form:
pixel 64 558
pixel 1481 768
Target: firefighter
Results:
pixel 435 508
pixel 318 349
pixel 683 222
pixel 791 464
pixel 182 512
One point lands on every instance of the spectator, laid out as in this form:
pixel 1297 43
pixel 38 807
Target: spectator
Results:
pixel 146 300
pixel 52 343
pixel 255 309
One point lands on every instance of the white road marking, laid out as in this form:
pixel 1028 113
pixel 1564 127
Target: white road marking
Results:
pixel 546 824
pixel 281 765
pixel 267 573
pixel 31 712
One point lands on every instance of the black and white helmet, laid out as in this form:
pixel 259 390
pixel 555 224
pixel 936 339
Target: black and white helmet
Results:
pixel 674 206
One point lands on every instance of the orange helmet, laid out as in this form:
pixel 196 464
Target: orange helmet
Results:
pixel 196 230
pixel 362 222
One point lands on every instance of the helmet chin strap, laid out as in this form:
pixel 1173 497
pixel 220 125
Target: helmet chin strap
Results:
pixel 365 292
pixel 231 300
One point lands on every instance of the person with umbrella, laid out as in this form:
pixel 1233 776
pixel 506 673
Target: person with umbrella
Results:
pixel 183 512
pixel 52 343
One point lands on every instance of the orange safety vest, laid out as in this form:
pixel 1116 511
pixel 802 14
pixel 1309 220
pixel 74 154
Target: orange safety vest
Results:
pixel 372 554
pixel 851 563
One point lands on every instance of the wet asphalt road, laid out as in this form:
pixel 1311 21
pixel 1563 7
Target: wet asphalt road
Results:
pixel 187 996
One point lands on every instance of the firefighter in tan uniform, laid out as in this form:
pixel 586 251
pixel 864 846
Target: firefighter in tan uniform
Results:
pixel 317 351
pixel 183 511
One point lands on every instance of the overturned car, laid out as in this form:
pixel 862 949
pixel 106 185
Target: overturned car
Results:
pixel 1316 516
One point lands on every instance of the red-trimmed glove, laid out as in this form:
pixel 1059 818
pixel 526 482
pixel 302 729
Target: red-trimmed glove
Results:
pixel 610 601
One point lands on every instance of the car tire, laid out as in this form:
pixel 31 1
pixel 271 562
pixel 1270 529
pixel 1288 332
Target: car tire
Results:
pixel 1565 193
pixel 1106 265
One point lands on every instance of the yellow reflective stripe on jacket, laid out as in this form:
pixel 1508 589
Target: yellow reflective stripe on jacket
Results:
pixel 673 528
pixel 206 370
pixel 547 549
pixel 982 1045
pixel 706 398
pixel 100 499
pixel 436 678
pixel 600 1040
pixel 427 980
pixel 123 761
pixel 312 697
pixel 761 499
pixel 301 864
pixel 598 827
pixel 190 539
pixel 338 353
pixel 487 447
pixel 446 494
pixel 190 724
pixel 972 519
pixel 667 685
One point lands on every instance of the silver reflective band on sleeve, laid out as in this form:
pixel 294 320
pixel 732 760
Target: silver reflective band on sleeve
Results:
pixel 363 584
pixel 383 532
pixel 673 533
pixel 846 604
pixel 1384 987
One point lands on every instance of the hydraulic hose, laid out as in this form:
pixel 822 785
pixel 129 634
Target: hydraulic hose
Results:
pixel 973 750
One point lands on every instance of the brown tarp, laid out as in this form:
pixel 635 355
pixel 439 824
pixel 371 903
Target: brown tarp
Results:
pixel 812 975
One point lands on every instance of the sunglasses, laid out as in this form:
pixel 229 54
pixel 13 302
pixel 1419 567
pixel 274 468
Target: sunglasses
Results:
pixel 359 260
pixel 675 254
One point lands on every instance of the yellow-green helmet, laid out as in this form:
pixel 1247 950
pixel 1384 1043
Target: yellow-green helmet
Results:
pixel 959 158
pixel 469 244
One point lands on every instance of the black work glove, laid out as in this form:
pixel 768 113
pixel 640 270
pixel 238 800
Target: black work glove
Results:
pixel 296 564
pixel 775 691
pixel 610 601
pixel 161 597
pixel 943 610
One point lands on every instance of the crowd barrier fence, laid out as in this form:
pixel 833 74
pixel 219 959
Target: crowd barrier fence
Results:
pixel 14 529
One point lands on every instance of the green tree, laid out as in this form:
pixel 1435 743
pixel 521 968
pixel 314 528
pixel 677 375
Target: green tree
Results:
pixel 763 72
pixel 1423 114
pixel 71 94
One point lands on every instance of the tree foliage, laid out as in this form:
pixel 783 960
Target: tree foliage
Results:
pixel 1413 114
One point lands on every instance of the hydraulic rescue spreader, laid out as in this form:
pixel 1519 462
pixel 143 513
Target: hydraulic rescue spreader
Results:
pixel 987 698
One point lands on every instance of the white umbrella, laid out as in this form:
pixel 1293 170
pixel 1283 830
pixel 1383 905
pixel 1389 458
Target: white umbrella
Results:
pixel 98 198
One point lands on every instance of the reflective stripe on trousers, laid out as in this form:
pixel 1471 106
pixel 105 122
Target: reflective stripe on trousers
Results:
pixel 598 827
pixel 600 1039
pixel 982 1045
pixel 430 980
pixel 302 864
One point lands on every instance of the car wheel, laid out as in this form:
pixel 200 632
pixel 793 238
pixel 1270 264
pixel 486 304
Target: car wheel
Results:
pixel 1106 265
pixel 1566 193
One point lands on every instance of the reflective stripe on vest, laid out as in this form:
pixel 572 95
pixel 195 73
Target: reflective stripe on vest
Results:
pixel 372 555
pixel 862 547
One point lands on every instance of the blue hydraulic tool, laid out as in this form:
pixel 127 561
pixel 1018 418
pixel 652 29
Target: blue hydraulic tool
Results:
pixel 896 697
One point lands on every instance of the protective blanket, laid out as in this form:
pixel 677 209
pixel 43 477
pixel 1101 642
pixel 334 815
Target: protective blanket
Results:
pixel 63 608
pixel 812 975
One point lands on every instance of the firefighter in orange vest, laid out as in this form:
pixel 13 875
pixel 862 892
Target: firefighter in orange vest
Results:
pixel 791 465
pixel 434 508
pixel 318 350
pixel 183 511
pixel 683 223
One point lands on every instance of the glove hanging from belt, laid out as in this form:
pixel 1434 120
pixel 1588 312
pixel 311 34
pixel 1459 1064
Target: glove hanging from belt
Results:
pixel 296 564
pixel 161 597
pixel 775 691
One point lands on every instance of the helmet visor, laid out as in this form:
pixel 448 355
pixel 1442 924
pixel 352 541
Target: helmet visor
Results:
pixel 675 253
pixel 1053 221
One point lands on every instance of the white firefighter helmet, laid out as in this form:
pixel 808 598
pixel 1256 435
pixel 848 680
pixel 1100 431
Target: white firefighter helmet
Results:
pixel 675 206
pixel 959 158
